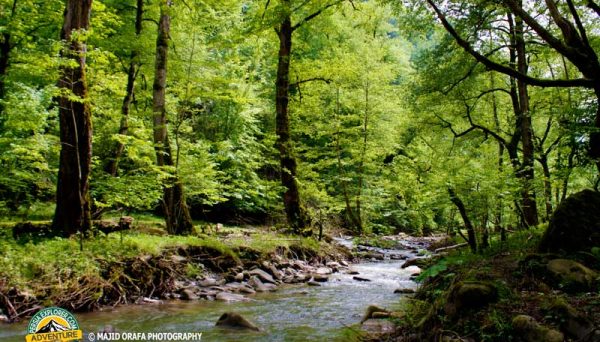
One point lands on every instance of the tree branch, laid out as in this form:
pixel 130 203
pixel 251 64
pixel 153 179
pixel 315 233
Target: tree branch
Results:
pixel 594 6
pixel 326 80
pixel 581 82
pixel 315 14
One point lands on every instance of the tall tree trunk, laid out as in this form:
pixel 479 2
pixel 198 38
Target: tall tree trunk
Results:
pixel 291 198
pixel 177 214
pixel 363 156
pixel 72 194
pixel 529 205
pixel 5 48
pixel 547 186
pixel 463 213
pixel 113 164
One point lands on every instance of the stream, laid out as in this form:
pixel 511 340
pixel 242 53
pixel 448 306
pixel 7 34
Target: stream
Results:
pixel 293 313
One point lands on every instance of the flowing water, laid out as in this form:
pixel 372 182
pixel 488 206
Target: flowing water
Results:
pixel 293 313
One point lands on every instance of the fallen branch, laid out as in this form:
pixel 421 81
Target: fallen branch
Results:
pixel 437 250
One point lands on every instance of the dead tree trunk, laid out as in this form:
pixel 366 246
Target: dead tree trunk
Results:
pixel 72 213
pixel 113 163
pixel 177 214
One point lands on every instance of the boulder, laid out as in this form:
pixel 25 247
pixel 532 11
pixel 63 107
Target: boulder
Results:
pixel 320 278
pixel 419 262
pixel 313 283
pixel 3 318
pixel 239 276
pixel 264 276
pixel 207 282
pixel 469 295
pixel 352 272
pixel 571 275
pixel 236 321
pixel 573 322
pixel 257 284
pixel 372 310
pixel 575 225
pixel 324 270
pixel 230 297
pixel 531 331
pixel 247 289
pixel 188 294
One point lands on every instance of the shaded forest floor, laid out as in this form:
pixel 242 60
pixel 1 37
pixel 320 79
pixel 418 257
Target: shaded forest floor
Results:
pixel 520 284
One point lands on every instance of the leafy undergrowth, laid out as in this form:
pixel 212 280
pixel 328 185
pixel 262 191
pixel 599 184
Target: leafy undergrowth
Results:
pixel 508 267
pixel 117 268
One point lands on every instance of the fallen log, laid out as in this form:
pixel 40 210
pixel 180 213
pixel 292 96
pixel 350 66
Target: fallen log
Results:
pixel 442 249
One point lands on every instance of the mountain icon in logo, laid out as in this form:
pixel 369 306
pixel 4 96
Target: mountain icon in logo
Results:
pixel 52 326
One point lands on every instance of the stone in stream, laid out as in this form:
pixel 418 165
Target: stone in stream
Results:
pixel 320 278
pixel 404 291
pixel 264 276
pixel 230 297
pixel 151 300
pixel 372 309
pixel 352 272
pixel 360 278
pixel 235 320
pixel 247 289
pixel 208 282
pixel 239 277
pixel 313 283
pixel 324 270
pixel 3 318
pixel 188 294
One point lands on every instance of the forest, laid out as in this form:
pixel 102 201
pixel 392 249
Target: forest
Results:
pixel 234 133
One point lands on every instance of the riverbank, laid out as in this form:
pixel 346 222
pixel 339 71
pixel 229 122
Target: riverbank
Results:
pixel 510 292
pixel 138 267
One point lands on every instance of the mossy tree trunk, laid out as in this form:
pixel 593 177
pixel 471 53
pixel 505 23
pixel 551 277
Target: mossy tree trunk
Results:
pixel 176 211
pixel 72 213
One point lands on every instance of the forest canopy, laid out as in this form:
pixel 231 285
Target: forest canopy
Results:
pixel 375 116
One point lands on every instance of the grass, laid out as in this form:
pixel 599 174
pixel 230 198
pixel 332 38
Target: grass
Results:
pixel 60 259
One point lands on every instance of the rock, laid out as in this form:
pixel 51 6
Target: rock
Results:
pixel 344 263
pixel 275 272
pixel 380 315
pixel 573 322
pixel 207 282
pixel 188 294
pixel 404 291
pixel 324 270
pixel 572 275
pixel 419 262
pixel 236 321
pixel 247 290
pixel 575 225
pixel 239 277
pixel 313 283
pixel 378 326
pixel 151 300
pixel 320 278
pixel 360 278
pixel 469 295
pixel 264 276
pixel 230 297
pixel 532 331
pixel 257 284
pixel 372 309
pixel 3 318
pixel 352 272
pixel 371 255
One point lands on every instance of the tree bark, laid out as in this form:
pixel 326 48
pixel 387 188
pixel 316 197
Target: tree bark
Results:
pixel 5 49
pixel 72 213
pixel 295 214
pixel 113 164
pixel 526 173
pixel 176 211
pixel 463 213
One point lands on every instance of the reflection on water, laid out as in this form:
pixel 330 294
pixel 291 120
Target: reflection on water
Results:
pixel 294 313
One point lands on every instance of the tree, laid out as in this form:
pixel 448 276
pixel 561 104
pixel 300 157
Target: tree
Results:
pixel 132 73
pixel 72 193
pixel 295 214
pixel 176 211
pixel 575 46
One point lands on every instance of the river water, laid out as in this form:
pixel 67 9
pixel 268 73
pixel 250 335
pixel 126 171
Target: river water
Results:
pixel 293 313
